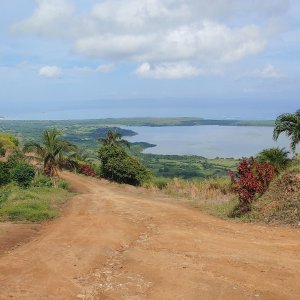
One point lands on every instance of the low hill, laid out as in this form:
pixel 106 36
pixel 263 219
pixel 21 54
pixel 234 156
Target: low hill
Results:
pixel 281 203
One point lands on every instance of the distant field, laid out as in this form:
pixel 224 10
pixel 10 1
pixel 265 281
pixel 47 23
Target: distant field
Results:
pixel 188 167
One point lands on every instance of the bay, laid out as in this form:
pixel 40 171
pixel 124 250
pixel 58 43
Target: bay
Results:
pixel 208 141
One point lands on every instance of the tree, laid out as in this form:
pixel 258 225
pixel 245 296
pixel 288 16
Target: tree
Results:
pixel 117 165
pixel 54 152
pixel 113 138
pixel 277 157
pixel 290 125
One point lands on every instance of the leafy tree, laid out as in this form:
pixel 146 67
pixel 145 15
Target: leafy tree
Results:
pixel 54 152
pixel 119 166
pixel 275 156
pixel 113 138
pixel 290 125
pixel 23 174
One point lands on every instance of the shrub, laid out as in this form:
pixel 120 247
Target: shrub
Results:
pixel 14 158
pixel 86 170
pixel 253 178
pixel 23 174
pixel 4 173
pixel 119 166
pixel 41 180
pixel 62 184
pixel 277 157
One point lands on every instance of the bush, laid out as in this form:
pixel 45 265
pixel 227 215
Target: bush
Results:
pixel 277 157
pixel 253 178
pixel 63 185
pixel 23 174
pixel 14 158
pixel 86 170
pixel 41 180
pixel 4 173
pixel 119 166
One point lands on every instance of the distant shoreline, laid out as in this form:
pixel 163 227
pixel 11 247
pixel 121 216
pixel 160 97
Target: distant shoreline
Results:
pixel 149 122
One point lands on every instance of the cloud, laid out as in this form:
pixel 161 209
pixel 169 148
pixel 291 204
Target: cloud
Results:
pixel 50 71
pixel 162 33
pixel 50 18
pixel 268 71
pixel 104 68
pixel 167 71
pixel 203 42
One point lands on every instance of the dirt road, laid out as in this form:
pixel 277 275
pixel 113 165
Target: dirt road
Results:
pixel 117 242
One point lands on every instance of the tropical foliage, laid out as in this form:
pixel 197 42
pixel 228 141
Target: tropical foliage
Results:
pixel 275 156
pixel 54 152
pixel 22 174
pixel 7 143
pixel 119 166
pixel 252 179
pixel 113 138
pixel 290 125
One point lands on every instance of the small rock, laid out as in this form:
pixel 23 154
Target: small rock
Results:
pixel 80 296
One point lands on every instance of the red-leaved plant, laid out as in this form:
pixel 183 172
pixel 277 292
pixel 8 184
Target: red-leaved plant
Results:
pixel 87 170
pixel 253 178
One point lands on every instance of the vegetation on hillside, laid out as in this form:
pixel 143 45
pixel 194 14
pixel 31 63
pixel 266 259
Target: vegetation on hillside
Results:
pixel 277 157
pixel 54 152
pixel 246 196
pixel 117 164
pixel 25 193
pixel 290 125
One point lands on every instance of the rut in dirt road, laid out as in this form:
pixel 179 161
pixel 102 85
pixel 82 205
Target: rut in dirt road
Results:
pixel 120 242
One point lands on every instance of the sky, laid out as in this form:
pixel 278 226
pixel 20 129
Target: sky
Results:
pixel 69 59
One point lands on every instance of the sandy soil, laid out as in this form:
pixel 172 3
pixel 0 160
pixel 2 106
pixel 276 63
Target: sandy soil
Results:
pixel 126 243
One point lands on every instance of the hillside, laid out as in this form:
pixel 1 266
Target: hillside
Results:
pixel 281 203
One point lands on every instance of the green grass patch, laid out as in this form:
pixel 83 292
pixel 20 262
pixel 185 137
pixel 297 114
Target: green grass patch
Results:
pixel 35 204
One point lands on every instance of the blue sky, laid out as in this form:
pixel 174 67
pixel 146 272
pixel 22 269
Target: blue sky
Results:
pixel 117 58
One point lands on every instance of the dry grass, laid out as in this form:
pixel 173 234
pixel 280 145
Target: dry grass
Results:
pixel 210 191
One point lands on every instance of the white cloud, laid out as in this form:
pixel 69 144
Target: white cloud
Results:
pixel 161 32
pixel 50 18
pixel 168 71
pixel 105 68
pixel 50 71
pixel 268 71
pixel 205 42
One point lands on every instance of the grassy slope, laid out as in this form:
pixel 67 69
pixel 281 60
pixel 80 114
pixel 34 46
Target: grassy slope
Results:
pixel 35 204
pixel 281 203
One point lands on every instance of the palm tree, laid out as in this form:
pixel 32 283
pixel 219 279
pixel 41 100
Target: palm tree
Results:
pixel 275 156
pixel 53 152
pixel 290 125
pixel 113 138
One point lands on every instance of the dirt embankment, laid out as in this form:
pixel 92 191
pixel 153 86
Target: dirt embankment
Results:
pixel 119 242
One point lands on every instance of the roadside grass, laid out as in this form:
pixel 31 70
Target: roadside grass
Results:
pixel 213 196
pixel 35 204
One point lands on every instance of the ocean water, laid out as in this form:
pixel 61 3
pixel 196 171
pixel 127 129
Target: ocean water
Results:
pixel 208 141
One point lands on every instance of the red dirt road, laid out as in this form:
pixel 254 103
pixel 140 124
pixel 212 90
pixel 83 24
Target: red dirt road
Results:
pixel 118 242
